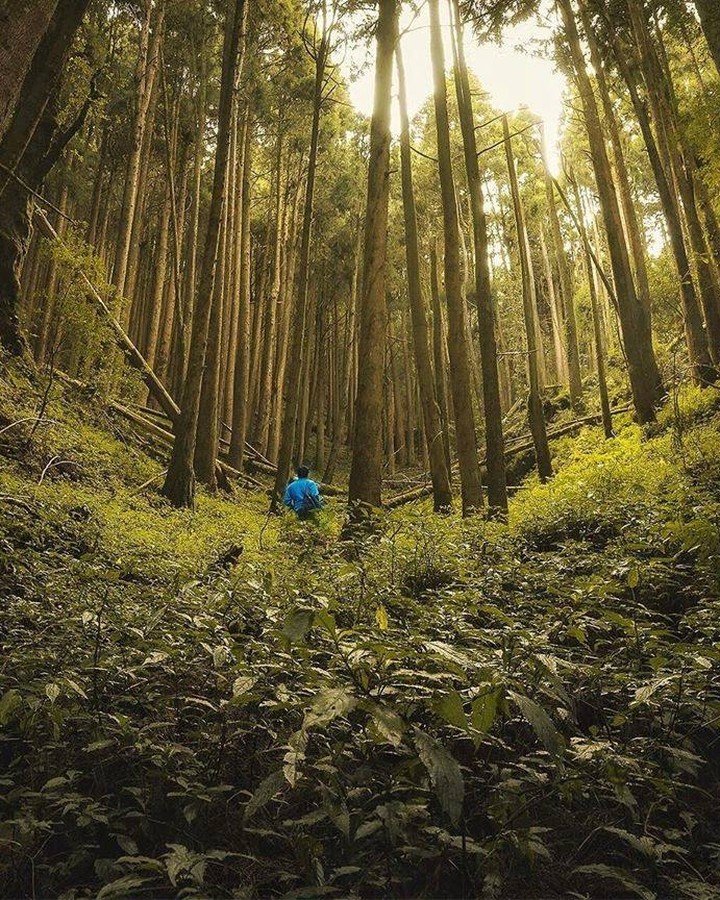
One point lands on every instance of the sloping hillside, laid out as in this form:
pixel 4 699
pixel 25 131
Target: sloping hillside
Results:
pixel 216 703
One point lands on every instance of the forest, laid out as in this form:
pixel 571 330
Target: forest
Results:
pixel 486 663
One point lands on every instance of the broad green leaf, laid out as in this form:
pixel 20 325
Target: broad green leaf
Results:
pixel 294 756
pixel 297 624
pixel 73 685
pixel 381 617
pixel 242 684
pixel 450 707
pixel 388 723
pixel 10 703
pixel 644 693
pixel 326 620
pixel 484 710
pixel 122 887
pixel 541 722
pixel 329 704
pixel 600 870
pixel 264 793
pixel 444 773
pixel 182 861
pixel 52 691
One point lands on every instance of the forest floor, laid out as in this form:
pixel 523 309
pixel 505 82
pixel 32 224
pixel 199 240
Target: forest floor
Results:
pixel 451 709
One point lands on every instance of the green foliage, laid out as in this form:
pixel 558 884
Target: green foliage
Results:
pixel 448 709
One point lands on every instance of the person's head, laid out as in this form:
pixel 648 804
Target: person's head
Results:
pixel 302 471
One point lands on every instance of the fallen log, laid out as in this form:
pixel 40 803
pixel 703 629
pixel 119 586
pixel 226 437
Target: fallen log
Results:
pixel 133 355
pixel 166 437
pixel 512 450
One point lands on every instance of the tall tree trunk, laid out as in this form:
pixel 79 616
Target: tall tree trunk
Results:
pixel 27 148
pixel 160 272
pixel 670 148
pixel 439 473
pixel 555 314
pixel 47 331
pixel 460 375
pixel 709 12
pixel 494 443
pixel 291 388
pixel 22 28
pixel 179 485
pixel 595 310
pixel 267 369
pixel 566 294
pixel 366 466
pixel 535 408
pixel 439 349
pixel 148 59
pixel 241 399
pixel 645 380
pixel 206 446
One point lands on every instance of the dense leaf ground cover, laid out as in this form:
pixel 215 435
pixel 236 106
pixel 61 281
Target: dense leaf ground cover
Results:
pixel 454 709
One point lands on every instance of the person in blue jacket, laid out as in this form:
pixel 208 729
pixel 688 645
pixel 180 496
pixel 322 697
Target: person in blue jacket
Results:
pixel 303 495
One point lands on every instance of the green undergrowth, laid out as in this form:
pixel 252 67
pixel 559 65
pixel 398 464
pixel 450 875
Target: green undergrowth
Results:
pixel 448 709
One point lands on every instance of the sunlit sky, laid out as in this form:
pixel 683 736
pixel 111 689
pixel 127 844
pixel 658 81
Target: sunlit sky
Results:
pixel 512 73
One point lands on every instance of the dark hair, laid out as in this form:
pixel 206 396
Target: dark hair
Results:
pixel 302 471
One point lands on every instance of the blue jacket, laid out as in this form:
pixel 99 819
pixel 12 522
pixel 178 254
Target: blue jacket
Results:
pixel 297 491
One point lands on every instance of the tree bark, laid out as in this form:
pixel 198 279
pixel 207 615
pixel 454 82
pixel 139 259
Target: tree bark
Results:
pixel 179 485
pixel 439 350
pixel 494 443
pixel 366 466
pixel 25 149
pixel 439 473
pixel 635 321
pixel 460 375
pixel 536 416
pixel 292 389
pixel 22 27
pixel 709 12
pixel 566 294
pixel 241 407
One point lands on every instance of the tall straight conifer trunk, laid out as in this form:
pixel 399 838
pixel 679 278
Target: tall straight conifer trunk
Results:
pixel 442 495
pixel 366 467
pixel 292 386
pixel 22 27
pixel 645 380
pixel 460 372
pixel 26 148
pixel 494 443
pixel 536 417
pixel 709 12
pixel 179 485
pixel 565 291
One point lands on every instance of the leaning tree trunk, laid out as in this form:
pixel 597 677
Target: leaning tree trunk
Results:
pixel 366 465
pixel 709 12
pixel 635 321
pixel 439 474
pixel 179 485
pixel 668 198
pixel 673 164
pixel 494 443
pixel 460 374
